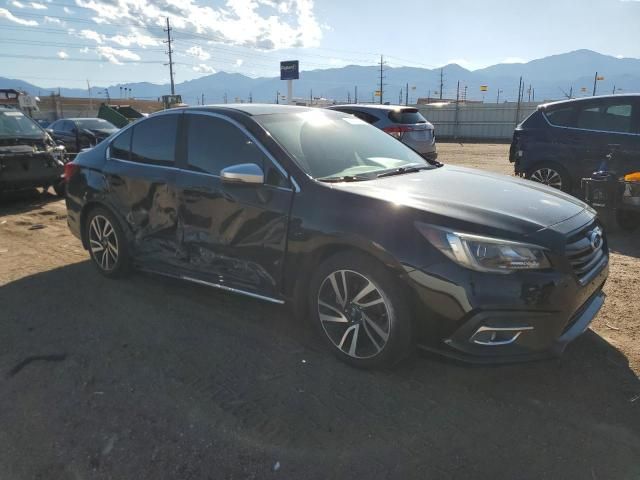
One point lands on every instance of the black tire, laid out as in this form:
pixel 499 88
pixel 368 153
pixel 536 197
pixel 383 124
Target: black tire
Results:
pixel 109 264
pixel 60 189
pixel 389 311
pixel 550 170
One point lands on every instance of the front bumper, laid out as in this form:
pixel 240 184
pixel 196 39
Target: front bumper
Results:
pixel 526 318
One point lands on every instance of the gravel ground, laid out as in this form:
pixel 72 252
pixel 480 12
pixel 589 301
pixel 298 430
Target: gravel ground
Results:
pixel 150 378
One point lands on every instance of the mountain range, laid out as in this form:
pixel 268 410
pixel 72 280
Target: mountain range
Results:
pixel 552 77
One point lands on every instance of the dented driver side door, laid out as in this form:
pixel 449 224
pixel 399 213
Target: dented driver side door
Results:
pixel 234 234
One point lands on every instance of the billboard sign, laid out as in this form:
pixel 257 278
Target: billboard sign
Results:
pixel 289 70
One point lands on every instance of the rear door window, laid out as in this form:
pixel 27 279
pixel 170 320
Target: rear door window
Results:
pixel 561 117
pixel 154 140
pixel 407 116
pixel 608 117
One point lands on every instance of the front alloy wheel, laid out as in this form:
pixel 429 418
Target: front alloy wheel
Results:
pixel 547 176
pixel 354 314
pixel 361 310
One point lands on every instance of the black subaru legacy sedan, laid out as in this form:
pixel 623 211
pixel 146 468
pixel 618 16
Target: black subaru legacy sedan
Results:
pixel 375 246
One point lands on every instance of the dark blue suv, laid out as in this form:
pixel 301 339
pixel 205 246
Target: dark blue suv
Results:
pixel 563 142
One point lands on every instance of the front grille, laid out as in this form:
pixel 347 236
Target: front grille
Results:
pixel 585 251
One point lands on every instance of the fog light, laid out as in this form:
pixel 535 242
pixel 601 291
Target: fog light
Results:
pixel 496 336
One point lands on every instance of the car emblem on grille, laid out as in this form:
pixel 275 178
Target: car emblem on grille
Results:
pixel 595 237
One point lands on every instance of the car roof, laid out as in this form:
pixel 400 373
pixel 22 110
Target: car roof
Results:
pixel 371 106
pixel 73 119
pixel 588 99
pixel 252 109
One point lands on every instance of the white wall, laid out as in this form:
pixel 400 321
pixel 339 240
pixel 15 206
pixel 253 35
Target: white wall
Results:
pixel 476 120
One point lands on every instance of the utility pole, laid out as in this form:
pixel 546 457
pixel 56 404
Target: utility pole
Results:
pixel 465 94
pixel 400 97
pixel 277 97
pixel 614 90
pixel 348 96
pixel 533 95
pixel 595 84
pixel 381 78
pixel 170 53
pixel 571 92
pixel 498 99
pixel 529 91
pixel 202 99
pixel 225 97
pixel 441 82
pixel 355 98
pixel 250 97
pixel 406 99
pixel 89 90
pixel 455 131
pixel 520 92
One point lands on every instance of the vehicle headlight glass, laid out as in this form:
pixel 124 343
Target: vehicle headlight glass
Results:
pixel 485 254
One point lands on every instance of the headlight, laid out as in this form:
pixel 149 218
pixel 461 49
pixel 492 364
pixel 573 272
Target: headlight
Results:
pixel 485 254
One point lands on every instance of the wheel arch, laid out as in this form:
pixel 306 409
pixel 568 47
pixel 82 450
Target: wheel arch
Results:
pixel 87 209
pixel 302 278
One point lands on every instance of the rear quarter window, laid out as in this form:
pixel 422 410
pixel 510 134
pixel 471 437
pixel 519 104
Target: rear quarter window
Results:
pixel 407 116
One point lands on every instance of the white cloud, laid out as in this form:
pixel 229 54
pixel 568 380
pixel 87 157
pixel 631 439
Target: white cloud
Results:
pixel 17 4
pixel 67 10
pixel 199 53
pixel 114 55
pixel 264 24
pixel 134 37
pixel 84 50
pixel 62 54
pixel 57 21
pixel 239 62
pixel 202 68
pixel 38 6
pixel 4 13
pixel 91 35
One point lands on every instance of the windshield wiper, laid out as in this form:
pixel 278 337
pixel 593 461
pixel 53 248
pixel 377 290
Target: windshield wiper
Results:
pixel 401 170
pixel 343 178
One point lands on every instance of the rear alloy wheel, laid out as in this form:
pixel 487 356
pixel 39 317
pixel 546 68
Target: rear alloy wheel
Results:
pixel 361 312
pixel 106 243
pixel 551 176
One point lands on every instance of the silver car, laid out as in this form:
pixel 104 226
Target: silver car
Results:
pixel 405 123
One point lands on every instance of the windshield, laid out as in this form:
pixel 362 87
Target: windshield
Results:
pixel 95 124
pixel 16 124
pixel 328 144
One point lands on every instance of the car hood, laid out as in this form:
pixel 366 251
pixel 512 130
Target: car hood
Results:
pixel 475 196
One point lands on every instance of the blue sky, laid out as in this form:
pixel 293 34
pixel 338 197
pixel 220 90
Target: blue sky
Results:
pixel 111 41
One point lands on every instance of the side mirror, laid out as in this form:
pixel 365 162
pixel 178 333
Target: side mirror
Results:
pixel 243 173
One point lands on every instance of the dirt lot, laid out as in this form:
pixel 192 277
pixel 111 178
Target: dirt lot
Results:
pixel 152 378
